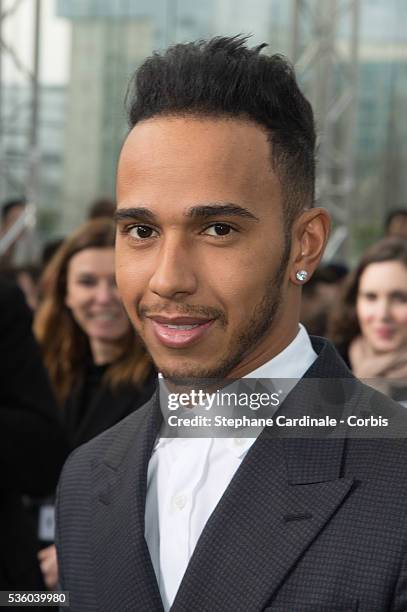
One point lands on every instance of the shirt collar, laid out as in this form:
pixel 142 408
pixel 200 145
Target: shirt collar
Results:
pixel 289 366
pixel 292 362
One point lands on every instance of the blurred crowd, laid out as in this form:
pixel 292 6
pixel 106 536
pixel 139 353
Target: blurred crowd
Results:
pixel 73 365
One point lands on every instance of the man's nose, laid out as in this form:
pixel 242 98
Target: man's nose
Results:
pixel 174 274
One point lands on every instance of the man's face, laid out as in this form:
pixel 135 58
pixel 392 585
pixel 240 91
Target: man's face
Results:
pixel 200 245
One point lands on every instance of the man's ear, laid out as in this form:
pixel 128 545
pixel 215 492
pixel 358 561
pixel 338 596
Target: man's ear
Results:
pixel 310 235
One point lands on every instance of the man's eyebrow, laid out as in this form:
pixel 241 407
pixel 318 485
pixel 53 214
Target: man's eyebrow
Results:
pixel 204 211
pixel 135 213
pixel 215 210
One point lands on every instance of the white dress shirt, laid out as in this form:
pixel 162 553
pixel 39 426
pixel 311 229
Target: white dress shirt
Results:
pixel 188 476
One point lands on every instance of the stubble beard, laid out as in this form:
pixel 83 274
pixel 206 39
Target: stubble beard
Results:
pixel 261 322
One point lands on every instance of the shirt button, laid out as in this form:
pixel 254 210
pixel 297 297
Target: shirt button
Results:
pixel 180 501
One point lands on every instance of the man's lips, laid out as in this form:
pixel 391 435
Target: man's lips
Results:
pixel 179 332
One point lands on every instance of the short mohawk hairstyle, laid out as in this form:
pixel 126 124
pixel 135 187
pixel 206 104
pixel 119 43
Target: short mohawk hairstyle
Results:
pixel 223 77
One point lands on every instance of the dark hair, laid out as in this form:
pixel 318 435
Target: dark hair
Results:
pixel 12 272
pixel 327 274
pixel 223 77
pixel 10 204
pixel 399 212
pixel 101 207
pixel 49 249
pixel 344 325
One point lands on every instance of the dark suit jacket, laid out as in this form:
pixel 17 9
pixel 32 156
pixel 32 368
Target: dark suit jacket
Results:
pixel 306 525
pixel 32 445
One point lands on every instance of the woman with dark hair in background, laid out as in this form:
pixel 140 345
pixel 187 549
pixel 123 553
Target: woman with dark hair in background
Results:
pixel 99 369
pixel 369 327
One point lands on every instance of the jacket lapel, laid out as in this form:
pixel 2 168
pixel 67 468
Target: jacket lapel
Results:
pixel 267 518
pixel 124 572
pixel 280 499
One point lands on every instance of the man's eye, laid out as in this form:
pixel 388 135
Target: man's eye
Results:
pixel 141 232
pixel 219 229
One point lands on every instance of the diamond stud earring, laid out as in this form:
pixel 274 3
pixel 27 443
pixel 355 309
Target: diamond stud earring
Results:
pixel 301 275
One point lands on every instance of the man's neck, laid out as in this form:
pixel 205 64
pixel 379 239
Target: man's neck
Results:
pixel 266 350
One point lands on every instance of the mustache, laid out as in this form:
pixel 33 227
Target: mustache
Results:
pixel 208 312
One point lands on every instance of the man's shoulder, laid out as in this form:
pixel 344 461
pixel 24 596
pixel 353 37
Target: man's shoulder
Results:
pixel 378 446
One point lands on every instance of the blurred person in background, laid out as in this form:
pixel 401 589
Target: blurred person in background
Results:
pixel 319 295
pixel 369 326
pixel 92 354
pixel 99 369
pixel 27 278
pixel 32 443
pixel 102 207
pixel 396 223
